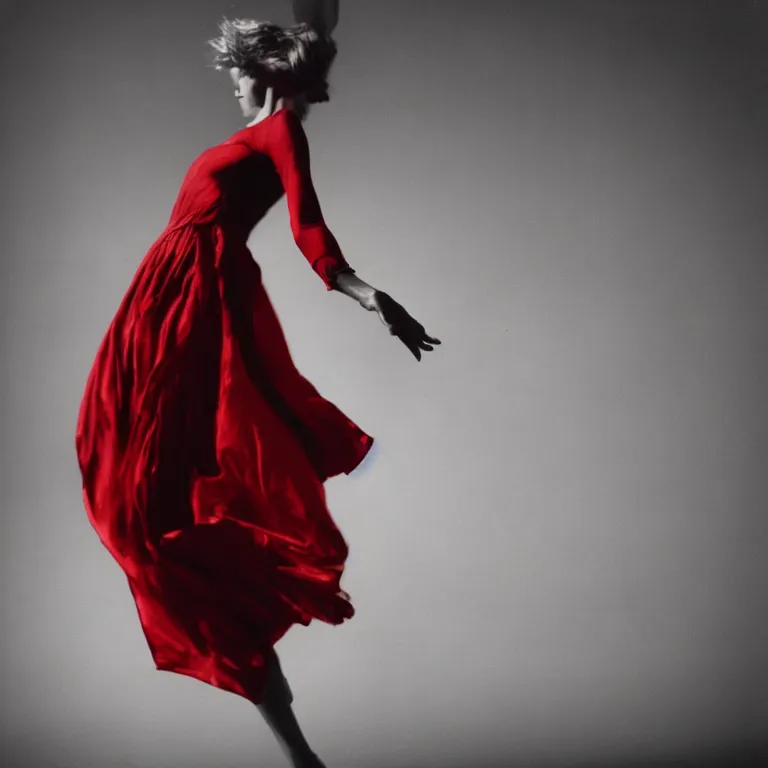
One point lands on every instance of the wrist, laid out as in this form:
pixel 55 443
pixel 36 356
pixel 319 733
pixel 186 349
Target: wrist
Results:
pixel 367 298
pixel 348 283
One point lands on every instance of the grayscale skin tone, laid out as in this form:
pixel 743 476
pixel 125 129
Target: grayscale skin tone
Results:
pixel 257 102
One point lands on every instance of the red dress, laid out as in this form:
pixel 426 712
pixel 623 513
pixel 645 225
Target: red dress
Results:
pixel 203 450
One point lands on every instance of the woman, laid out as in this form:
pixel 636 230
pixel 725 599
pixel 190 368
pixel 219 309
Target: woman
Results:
pixel 203 450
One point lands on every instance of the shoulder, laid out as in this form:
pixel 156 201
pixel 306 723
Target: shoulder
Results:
pixel 280 133
pixel 287 121
pixel 286 129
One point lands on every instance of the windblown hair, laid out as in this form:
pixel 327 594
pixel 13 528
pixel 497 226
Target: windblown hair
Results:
pixel 295 59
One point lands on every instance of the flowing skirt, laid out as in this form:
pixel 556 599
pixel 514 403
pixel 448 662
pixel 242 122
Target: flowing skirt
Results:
pixel 203 453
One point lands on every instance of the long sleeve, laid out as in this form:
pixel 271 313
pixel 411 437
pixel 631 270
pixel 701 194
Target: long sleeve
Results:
pixel 289 150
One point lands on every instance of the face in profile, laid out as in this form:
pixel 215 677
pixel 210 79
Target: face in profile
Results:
pixel 250 94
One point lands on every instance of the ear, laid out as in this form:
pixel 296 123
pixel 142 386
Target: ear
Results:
pixel 323 15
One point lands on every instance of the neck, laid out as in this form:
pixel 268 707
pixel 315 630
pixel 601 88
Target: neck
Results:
pixel 272 103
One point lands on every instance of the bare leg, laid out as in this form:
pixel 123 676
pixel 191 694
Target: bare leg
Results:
pixel 276 709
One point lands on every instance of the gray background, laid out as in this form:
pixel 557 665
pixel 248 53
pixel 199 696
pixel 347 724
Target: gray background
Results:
pixel 558 551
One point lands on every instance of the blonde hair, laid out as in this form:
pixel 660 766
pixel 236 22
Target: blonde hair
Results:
pixel 295 59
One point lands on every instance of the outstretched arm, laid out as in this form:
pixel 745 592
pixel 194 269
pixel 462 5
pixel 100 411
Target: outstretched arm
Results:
pixel 290 154
pixel 287 145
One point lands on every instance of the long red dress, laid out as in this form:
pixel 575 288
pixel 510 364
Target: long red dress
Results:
pixel 203 450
